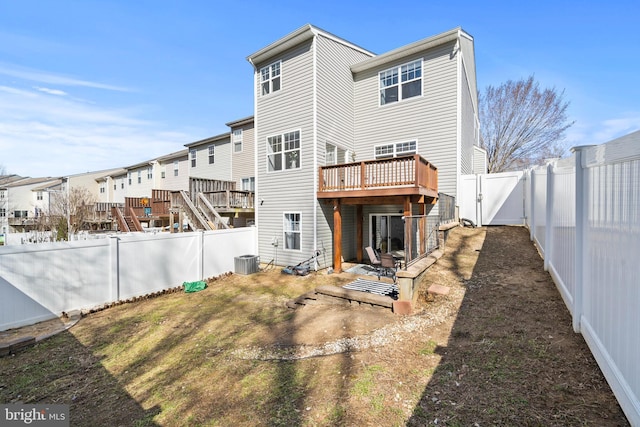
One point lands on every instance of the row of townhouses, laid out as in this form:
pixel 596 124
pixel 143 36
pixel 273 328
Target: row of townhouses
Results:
pixel 343 146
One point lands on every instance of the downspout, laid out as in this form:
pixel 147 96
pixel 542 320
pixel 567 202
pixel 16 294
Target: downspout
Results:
pixel 256 203
pixel 315 148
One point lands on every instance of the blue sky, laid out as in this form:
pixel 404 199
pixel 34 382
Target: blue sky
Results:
pixel 90 85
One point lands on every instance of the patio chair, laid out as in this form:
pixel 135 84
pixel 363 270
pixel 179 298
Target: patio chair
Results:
pixel 383 265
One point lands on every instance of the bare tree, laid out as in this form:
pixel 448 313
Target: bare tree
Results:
pixel 71 210
pixel 522 124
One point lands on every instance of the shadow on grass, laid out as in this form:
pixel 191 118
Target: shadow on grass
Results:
pixel 512 357
pixel 60 370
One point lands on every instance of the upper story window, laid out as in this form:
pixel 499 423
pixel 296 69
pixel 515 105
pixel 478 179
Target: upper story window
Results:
pixel 386 151
pixel 149 172
pixel 212 154
pixel 249 184
pixel 192 157
pixel 139 177
pixel 283 151
pixel 175 168
pixel 3 212
pixel 39 195
pixel 2 194
pixel 129 178
pixel 236 138
pixel 401 82
pixel 270 78
pixel 103 187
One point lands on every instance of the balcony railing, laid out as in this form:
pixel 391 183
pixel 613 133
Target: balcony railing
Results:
pixel 408 171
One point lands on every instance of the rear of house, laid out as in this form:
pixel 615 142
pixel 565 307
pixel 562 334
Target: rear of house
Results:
pixel 321 101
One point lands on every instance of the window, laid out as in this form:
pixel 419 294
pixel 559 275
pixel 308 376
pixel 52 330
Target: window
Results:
pixel 149 172
pixel 212 154
pixel 192 157
pixel 292 229
pixel 283 151
pixel 394 150
pixel 103 187
pixel 2 196
pixel 20 214
pixel 3 212
pixel 175 168
pixel 270 78
pixel 408 86
pixel 122 183
pixel 139 177
pixel 115 186
pixel 129 178
pixel 249 184
pixel 39 195
pixel 236 138
pixel 163 175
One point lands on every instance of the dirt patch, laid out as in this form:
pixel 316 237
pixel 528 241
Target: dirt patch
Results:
pixel 497 350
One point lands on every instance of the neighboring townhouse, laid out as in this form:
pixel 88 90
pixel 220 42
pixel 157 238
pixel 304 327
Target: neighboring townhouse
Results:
pixel 25 201
pixel 5 209
pixel 142 178
pixel 210 158
pixel 174 171
pixel 322 101
pixel 243 163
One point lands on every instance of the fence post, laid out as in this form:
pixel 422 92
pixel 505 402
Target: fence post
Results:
pixel 114 267
pixel 532 205
pixel 582 186
pixel 548 231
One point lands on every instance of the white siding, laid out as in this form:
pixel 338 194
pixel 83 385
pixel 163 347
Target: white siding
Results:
pixel 467 124
pixel 335 126
pixel 286 110
pixel 429 119
pixel 142 188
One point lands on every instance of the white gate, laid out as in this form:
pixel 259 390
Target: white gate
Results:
pixel 493 199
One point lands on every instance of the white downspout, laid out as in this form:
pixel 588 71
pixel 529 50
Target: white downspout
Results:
pixel 315 149
pixel 256 199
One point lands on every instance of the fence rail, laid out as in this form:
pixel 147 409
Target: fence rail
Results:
pixel 421 237
pixel 583 213
pixel 40 281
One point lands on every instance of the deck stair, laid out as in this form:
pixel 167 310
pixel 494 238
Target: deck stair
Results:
pixel 209 211
pixel 356 295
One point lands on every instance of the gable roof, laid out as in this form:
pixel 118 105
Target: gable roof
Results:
pixel 410 49
pixel 301 35
pixel 209 140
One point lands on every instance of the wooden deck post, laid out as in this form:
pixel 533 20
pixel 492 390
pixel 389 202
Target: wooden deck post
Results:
pixel 359 232
pixel 407 232
pixel 337 236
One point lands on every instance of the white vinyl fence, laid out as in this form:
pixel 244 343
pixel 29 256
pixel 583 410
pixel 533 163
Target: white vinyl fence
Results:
pixel 584 215
pixel 40 281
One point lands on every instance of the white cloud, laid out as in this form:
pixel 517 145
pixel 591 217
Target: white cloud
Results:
pixel 584 132
pixel 42 135
pixel 55 79
pixel 51 91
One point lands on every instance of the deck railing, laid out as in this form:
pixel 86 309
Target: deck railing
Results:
pixel 407 171
pixel 231 199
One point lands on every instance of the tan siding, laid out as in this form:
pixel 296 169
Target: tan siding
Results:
pixel 243 162
pixel 172 182
pixel 221 169
pixel 430 119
